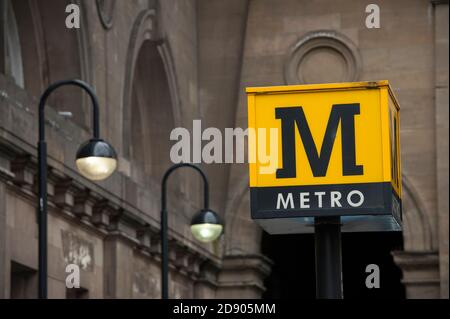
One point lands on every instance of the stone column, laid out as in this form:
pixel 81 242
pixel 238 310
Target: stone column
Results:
pixel 5 254
pixel 4 269
pixel 242 276
pixel 118 267
pixel 205 287
pixel 2 39
pixel 420 273
pixel 441 108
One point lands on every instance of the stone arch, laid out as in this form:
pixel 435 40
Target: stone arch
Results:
pixel 106 9
pixel 10 49
pixel 238 221
pixel 84 48
pixel 145 30
pixel 151 114
pixel 32 49
pixel 52 52
pixel 151 105
pixel 417 231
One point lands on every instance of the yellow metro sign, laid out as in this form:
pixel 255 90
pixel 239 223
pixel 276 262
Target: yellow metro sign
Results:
pixel 337 154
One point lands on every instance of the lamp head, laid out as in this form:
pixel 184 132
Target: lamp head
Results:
pixel 96 159
pixel 206 226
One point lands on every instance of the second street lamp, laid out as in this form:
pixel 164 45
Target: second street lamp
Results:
pixel 95 159
pixel 205 226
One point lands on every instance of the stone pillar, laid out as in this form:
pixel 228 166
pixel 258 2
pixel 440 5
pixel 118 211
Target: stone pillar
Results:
pixel 206 286
pixel 5 253
pixel 441 108
pixel 4 259
pixel 204 289
pixel 242 276
pixel 118 267
pixel 2 47
pixel 420 273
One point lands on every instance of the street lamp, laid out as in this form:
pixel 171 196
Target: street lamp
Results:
pixel 95 159
pixel 205 225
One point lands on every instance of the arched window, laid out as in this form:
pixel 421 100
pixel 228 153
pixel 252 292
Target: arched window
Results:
pixel 151 113
pixel 36 49
pixel 11 53
pixel 64 58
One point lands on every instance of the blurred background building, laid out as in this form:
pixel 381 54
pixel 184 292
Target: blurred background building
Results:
pixel 156 65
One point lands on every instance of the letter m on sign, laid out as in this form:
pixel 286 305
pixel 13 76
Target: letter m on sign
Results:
pixel 294 117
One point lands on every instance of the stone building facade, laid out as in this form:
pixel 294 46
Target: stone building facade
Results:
pixel 157 65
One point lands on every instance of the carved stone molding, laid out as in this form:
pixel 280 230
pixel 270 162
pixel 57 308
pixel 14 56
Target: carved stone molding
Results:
pixel 98 211
pixel 23 174
pixel 438 2
pixel 143 235
pixel 105 9
pixel 243 276
pixel 101 213
pixel 84 202
pixel 420 273
pixel 322 56
pixel 65 191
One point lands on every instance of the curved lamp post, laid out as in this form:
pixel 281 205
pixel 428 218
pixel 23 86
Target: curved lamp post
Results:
pixel 205 226
pixel 95 159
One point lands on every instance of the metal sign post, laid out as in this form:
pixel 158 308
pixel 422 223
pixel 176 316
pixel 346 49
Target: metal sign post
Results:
pixel 327 235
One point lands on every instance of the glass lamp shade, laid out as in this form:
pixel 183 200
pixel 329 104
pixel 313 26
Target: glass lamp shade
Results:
pixel 206 226
pixel 96 160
